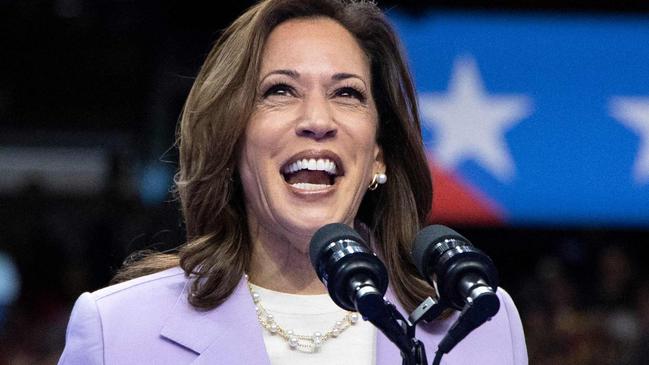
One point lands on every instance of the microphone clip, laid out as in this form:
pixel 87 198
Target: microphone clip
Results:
pixel 427 311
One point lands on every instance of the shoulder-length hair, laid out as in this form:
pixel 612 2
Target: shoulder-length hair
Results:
pixel 217 251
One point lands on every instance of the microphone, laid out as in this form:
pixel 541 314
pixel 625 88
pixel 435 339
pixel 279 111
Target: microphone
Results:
pixel 460 272
pixel 355 278
pixel 464 276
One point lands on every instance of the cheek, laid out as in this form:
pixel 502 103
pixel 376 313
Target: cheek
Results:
pixel 365 139
pixel 266 131
pixel 246 171
pixel 259 146
pixel 250 155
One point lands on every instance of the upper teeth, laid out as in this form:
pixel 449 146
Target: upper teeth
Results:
pixel 321 164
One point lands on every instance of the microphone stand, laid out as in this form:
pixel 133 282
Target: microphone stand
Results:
pixel 385 316
pixel 473 315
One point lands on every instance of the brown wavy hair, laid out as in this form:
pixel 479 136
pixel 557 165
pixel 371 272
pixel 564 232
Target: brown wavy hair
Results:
pixel 218 248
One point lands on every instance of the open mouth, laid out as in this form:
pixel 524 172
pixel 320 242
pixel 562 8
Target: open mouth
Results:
pixel 312 173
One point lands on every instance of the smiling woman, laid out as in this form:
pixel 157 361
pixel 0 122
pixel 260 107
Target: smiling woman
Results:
pixel 303 114
pixel 311 113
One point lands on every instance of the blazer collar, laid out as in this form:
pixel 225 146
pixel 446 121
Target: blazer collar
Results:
pixel 228 334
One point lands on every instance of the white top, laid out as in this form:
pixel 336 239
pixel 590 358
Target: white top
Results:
pixel 307 314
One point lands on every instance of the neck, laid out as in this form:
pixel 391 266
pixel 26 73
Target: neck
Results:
pixel 282 264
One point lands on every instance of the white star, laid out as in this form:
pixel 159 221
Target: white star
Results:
pixel 470 124
pixel 633 112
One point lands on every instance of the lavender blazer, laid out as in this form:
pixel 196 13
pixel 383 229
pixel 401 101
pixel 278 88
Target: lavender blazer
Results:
pixel 148 320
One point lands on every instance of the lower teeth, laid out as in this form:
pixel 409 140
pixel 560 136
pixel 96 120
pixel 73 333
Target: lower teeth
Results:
pixel 309 186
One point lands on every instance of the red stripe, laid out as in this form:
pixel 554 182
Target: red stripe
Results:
pixel 457 202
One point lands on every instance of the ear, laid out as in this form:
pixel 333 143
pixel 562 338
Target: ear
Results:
pixel 379 163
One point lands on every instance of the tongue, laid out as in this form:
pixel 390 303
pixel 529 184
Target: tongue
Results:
pixel 309 176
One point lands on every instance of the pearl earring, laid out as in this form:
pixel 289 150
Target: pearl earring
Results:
pixel 378 179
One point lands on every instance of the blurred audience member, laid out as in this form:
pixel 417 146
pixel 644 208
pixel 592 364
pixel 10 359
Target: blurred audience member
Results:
pixel 640 350
pixel 568 322
pixel 9 286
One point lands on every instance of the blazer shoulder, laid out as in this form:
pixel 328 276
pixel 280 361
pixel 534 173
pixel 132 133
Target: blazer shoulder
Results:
pixel 145 299
pixel 173 280
pixel 84 342
pixel 113 323
pixel 509 310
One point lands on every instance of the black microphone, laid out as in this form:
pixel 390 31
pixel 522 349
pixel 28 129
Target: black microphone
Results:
pixel 353 275
pixel 461 272
pixel 357 280
pixel 464 276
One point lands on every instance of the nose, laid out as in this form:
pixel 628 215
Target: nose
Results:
pixel 316 121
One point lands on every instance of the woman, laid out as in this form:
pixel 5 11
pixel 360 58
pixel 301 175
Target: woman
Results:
pixel 303 114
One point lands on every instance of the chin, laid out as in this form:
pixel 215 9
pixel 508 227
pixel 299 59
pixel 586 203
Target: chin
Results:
pixel 306 224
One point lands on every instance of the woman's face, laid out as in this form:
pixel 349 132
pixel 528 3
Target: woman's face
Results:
pixel 309 150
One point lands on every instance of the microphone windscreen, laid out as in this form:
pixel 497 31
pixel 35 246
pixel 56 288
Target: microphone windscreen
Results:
pixel 330 233
pixel 428 238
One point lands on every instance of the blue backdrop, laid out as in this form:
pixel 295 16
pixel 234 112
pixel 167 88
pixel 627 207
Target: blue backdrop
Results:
pixel 547 115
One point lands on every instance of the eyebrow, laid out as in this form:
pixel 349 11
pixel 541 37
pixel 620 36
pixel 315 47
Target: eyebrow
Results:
pixel 296 75
pixel 290 73
pixel 343 76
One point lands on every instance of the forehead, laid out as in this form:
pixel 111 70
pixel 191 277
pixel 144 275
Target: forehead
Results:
pixel 314 44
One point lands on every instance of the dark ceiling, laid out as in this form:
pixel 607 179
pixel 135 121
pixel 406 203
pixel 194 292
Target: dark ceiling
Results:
pixel 106 65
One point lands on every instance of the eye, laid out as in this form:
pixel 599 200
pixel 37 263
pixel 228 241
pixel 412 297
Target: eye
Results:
pixel 351 92
pixel 279 89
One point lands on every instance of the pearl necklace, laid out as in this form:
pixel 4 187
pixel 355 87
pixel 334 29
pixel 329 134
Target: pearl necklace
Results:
pixel 302 343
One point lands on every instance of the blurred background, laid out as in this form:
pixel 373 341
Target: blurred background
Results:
pixel 535 115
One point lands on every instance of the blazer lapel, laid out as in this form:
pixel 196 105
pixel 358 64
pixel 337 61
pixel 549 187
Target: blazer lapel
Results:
pixel 228 334
pixel 231 334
